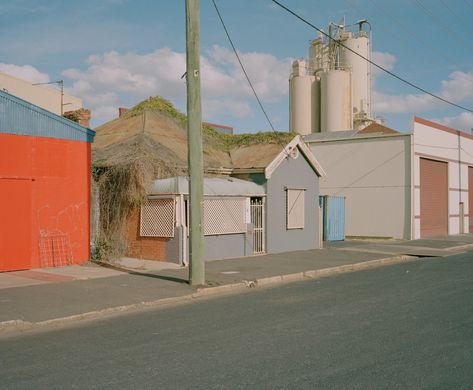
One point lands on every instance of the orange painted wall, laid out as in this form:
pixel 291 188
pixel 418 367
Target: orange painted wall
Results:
pixel 44 196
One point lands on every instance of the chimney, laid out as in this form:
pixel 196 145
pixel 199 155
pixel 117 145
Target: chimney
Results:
pixel 81 116
pixel 84 117
pixel 121 111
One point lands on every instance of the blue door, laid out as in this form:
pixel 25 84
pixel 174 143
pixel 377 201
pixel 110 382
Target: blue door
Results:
pixel 333 214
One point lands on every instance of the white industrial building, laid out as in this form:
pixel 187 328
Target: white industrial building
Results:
pixel 401 185
pixel 42 95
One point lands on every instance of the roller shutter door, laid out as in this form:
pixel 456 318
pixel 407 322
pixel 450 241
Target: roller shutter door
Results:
pixel 470 197
pixel 433 198
pixel 15 224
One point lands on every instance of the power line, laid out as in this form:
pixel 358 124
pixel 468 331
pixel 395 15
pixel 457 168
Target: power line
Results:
pixel 454 13
pixel 404 27
pixel 371 62
pixel 467 3
pixel 451 32
pixel 241 65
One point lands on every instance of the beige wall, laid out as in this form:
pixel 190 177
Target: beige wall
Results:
pixel 436 142
pixel 47 97
pixel 374 174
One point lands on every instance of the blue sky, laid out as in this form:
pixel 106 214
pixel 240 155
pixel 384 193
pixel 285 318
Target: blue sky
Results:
pixel 115 53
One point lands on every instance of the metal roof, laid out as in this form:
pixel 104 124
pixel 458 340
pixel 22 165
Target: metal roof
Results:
pixel 229 186
pixel 20 117
pixel 346 135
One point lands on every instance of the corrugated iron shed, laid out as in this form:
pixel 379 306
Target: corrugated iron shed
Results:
pixel 20 117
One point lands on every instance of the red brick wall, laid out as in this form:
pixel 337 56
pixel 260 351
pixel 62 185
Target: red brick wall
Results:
pixel 149 248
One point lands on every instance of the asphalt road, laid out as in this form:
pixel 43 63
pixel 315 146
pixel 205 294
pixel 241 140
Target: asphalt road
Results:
pixel 408 326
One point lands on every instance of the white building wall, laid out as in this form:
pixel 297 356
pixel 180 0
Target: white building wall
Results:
pixel 374 174
pixel 47 97
pixel 441 143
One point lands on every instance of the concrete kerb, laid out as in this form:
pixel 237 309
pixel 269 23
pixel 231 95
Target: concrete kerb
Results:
pixel 326 272
pixel 460 247
pixel 21 325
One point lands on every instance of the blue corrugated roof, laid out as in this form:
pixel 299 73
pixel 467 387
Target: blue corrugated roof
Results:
pixel 20 117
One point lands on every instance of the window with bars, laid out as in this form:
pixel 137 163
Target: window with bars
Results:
pixel 157 218
pixel 224 215
pixel 295 208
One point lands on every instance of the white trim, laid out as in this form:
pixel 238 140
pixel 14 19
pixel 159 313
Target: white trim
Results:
pixel 357 137
pixel 296 142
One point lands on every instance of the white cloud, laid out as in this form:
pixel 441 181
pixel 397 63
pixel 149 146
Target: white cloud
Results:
pixel 237 108
pixel 458 88
pixel 383 103
pixel 464 121
pixel 25 72
pixel 268 74
pixel 112 75
pixel 386 60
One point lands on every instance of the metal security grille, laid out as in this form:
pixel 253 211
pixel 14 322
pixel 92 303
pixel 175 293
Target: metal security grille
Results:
pixel 295 208
pixel 158 218
pixel 55 249
pixel 257 219
pixel 224 215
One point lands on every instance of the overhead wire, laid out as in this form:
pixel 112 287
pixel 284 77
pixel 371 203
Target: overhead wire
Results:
pixel 411 32
pixel 445 27
pixel 454 13
pixel 468 4
pixel 392 74
pixel 241 65
pixel 286 152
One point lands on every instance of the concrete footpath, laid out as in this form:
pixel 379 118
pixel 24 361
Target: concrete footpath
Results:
pixel 55 296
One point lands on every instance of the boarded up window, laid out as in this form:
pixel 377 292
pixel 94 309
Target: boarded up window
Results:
pixel 157 218
pixel 295 208
pixel 224 215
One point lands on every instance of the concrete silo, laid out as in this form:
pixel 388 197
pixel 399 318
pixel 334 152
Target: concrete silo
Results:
pixel 352 43
pixel 332 91
pixel 336 105
pixel 304 96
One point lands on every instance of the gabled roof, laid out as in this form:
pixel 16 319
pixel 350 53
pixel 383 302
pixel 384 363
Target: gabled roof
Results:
pixel 288 152
pixel 376 128
pixel 161 138
pixel 17 116
pixel 267 157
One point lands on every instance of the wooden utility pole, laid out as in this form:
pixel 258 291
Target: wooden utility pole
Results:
pixel 194 142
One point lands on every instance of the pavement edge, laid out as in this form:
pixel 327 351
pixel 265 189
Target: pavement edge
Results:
pixel 23 326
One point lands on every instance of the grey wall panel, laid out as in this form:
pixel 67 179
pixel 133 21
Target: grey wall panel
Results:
pixel 292 173
pixel 174 247
pixel 224 246
pixel 375 177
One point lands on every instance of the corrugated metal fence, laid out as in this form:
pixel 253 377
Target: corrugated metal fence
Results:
pixel 333 215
